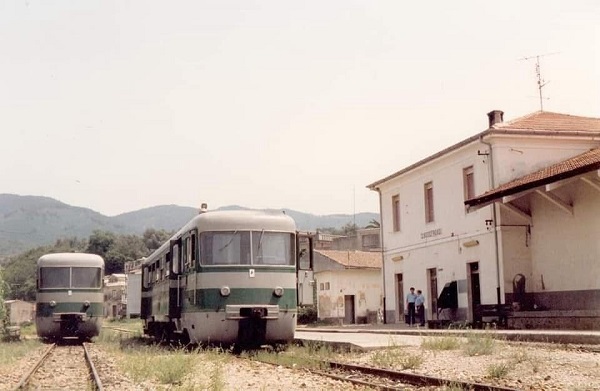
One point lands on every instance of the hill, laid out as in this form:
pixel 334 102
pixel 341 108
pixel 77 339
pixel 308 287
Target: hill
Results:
pixel 31 221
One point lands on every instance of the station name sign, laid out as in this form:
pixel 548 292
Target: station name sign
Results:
pixel 431 234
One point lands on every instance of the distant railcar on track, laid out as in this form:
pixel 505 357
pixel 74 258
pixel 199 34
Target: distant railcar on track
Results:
pixel 226 277
pixel 70 299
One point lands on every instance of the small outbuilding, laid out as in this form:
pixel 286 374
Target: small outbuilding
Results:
pixel 20 311
pixel 348 284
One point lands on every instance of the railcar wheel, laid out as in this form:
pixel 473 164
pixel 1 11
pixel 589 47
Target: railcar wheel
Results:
pixel 184 338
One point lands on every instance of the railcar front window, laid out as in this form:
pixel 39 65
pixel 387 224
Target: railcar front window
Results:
pixel 55 277
pixel 86 277
pixel 272 248
pixel 246 248
pixel 225 248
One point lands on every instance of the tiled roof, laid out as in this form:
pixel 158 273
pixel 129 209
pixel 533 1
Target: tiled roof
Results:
pixel 538 123
pixel 354 259
pixel 580 164
pixel 541 121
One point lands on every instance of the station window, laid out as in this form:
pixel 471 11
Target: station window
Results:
pixel 396 212
pixel 321 286
pixel 429 215
pixel 326 286
pixel 468 183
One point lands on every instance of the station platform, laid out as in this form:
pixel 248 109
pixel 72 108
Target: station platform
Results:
pixel 368 337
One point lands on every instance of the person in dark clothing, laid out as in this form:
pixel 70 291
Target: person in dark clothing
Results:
pixel 410 306
pixel 420 307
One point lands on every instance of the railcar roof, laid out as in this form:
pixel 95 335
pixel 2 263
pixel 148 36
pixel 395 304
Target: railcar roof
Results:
pixel 71 259
pixel 232 220
pixel 242 220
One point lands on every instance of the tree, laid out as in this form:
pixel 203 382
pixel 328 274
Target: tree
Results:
pixel 373 224
pixel 3 313
pixel 153 238
pixel 100 242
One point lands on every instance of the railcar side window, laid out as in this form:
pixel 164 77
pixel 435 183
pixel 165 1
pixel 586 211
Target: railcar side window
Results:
pixel 146 276
pixel 86 277
pixel 185 253
pixel 272 248
pixel 176 259
pixel 194 245
pixel 55 277
pixel 167 265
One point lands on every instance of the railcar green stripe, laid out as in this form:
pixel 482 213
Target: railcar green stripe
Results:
pixel 74 290
pixel 236 269
pixel 44 309
pixel 211 299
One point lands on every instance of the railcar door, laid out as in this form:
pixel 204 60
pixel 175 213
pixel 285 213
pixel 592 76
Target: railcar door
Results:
pixel 175 293
pixel 304 267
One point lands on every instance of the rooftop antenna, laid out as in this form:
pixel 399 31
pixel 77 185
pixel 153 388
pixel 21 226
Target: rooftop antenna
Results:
pixel 538 72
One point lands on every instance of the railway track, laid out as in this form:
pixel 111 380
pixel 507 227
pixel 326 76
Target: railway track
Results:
pixel 385 379
pixel 65 366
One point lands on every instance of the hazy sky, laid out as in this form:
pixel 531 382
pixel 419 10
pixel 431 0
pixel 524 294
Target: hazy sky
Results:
pixel 120 105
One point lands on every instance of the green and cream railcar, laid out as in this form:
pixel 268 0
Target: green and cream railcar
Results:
pixel 225 277
pixel 70 299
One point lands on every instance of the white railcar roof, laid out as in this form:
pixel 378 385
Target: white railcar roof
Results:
pixel 70 259
pixel 232 220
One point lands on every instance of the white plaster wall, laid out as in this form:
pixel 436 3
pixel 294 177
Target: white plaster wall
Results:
pixel 364 284
pixel 516 257
pixel 566 248
pixel 518 156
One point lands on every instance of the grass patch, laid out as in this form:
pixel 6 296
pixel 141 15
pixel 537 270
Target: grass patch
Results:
pixel 310 356
pixel 497 371
pixel 519 357
pixel 394 356
pixel 13 351
pixel 168 367
pixel 479 344
pixel 441 343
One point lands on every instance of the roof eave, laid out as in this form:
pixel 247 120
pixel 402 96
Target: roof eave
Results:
pixel 493 197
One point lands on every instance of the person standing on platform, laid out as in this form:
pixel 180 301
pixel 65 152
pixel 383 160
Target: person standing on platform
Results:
pixel 410 306
pixel 420 307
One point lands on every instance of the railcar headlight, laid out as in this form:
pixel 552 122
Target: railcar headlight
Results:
pixel 225 291
pixel 86 303
pixel 278 291
pixel 52 303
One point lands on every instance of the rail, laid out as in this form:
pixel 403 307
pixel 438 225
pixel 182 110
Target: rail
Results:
pixel 96 382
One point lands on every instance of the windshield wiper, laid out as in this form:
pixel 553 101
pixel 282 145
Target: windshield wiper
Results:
pixel 262 232
pixel 230 240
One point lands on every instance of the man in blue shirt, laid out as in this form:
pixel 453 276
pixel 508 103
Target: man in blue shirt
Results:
pixel 420 306
pixel 410 306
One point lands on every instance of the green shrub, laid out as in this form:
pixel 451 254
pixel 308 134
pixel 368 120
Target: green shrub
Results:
pixel 307 315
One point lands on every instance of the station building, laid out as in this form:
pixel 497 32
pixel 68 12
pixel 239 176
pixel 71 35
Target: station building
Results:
pixel 508 216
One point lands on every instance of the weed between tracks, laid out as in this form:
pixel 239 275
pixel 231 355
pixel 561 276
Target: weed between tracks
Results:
pixel 172 367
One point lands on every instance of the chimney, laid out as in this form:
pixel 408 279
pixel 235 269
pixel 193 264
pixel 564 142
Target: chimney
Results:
pixel 495 117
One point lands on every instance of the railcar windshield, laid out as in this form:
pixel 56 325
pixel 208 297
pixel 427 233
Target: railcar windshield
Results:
pixel 55 277
pixel 247 248
pixel 85 277
pixel 67 277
